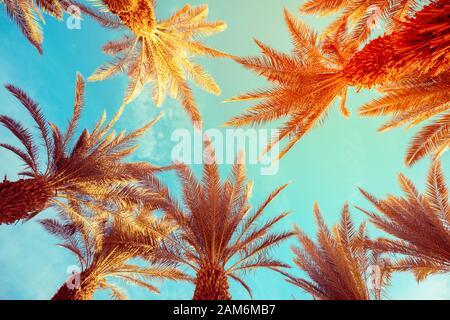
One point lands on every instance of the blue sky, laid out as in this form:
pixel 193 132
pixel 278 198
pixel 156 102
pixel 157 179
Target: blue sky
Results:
pixel 326 166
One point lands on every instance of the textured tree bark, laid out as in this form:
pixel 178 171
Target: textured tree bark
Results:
pixel 21 198
pixel 85 291
pixel 137 15
pixel 211 284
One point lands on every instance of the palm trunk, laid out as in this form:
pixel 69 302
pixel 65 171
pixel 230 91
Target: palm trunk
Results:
pixel 420 46
pixel 20 199
pixel 137 15
pixel 211 284
pixel 85 291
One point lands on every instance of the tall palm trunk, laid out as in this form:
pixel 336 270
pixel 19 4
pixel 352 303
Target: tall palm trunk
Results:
pixel 85 291
pixel 211 284
pixel 21 198
pixel 137 15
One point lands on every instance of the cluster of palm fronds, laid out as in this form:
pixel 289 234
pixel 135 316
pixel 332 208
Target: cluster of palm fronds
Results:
pixel 90 168
pixel 120 220
pixel 160 52
pixel 106 210
pixel 346 264
pixel 411 60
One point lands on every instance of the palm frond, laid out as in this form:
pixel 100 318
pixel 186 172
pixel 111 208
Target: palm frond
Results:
pixel 160 53
pixel 212 222
pixel 92 168
pixel 310 76
pixel 337 264
pixel 421 223
pixel 433 139
pixel 105 242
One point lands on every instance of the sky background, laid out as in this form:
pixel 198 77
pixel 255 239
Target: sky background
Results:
pixel 326 166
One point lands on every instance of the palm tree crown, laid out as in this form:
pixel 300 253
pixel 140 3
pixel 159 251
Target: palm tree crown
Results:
pixel 90 167
pixel 219 236
pixel 339 265
pixel 305 83
pixel 420 222
pixel 104 243
pixel 161 52
pixel 319 70
pixel 418 46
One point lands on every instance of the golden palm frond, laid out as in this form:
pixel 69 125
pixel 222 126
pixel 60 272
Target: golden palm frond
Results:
pixel 305 83
pixel 90 167
pixel 419 221
pixel 160 52
pixel 339 265
pixel 28 16
pixel 104 243
pixel 412 101
pixel 219 235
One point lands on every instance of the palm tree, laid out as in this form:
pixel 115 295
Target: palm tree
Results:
pixel 420 222
pixel 90 168
pixel 28 13
pixel 339 265
pixel 219 238
pixel 412 101
pixel 414 62
pixel 419 46
pixel 305 83
pixel 104 243
pixel 309 80
pixel 160 52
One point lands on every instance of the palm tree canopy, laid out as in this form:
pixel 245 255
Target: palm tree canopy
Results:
pixel 89 166
pixel 161 52
pixel 104 243
pixel 361 13
pixel 419 221
pixel 217 225
pixel 305 82
pixel 418 46
pixel 338 264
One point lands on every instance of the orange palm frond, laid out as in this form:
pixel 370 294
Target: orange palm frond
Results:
pixel 160 52
pixel 305 83
pixel 419 46
pixel 411 101
pixel 324 7
pixel 91 166
pixel 338 264
pixel 318 71
pixel 219 235
pixel 432 139
pixel 419 221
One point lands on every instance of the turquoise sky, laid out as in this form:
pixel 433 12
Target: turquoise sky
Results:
pixel 326 166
